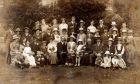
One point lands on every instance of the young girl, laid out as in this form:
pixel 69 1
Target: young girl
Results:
pixel 106 60
pixel 79 52
pixel 28 54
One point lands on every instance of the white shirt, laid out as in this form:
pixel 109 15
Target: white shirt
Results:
pixel 63 26
pixel 44 28
pixel 92 28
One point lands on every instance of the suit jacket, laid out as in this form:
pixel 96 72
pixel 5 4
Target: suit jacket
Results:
pixel 98 48
pixel 61 47
pixel 111 48
pixel 72 28
pixel 101 29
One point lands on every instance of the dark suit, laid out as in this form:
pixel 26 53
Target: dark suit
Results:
pixel 101 29
pixel 72 28
pixel 96 50
pixel 110 48
pixel 62 52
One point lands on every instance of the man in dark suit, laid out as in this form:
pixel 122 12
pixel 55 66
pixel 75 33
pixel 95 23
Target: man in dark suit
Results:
pixel 72 27
pixel 62 51
pixel 98 51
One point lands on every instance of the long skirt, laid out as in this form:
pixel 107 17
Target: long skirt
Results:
pixel 31 60
pixel 130 53
pixel 53 58
pixel 107 62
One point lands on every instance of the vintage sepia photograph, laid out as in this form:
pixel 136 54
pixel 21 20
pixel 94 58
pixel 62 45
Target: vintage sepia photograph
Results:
pixel 69 41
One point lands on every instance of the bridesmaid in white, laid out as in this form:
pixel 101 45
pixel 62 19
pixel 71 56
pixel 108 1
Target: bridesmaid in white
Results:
pixel 28 54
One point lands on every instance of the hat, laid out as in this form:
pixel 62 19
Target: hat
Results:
pixel 71 36
pixel 115 29
pixel 130 31
pixel 81 21
pixel 55 29
pixel 44 42
pixel 109 9
pixel 15 37
pixel 81 29
pixel 124 31
pixel 113 23
pixel 110 39
pixel 119 38
pixel 79 40
pixel 26 27
pixel 107 52
pixel 89 39
pixel 17 29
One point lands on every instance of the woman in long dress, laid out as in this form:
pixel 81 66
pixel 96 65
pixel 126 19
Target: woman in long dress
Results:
pixel 119 52
pixel 14 49
pixel 130 47
pixel 28 54
pixel 52 49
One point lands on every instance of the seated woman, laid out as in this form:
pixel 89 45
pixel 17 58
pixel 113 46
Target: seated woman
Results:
pixel 28 54
pixel 119 52
pixel 14 49
pixel 71 47
pixel 106 60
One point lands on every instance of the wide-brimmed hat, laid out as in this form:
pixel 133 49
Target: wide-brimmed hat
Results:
pixel 107 52
pixel 114 29
pixel 124 31
pixel 71 36
pixel 130 31
pixel 113 23
pixel 110 39
pixel 26 28
pixel 81 29
pixel 55 29
pixel 81 21
pixel 17 29
pixel 119 39
pixel 80 40
pixel 15 37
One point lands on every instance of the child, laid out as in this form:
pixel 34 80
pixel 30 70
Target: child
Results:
pixel 79 52
pixel 40 59
pixel 106 60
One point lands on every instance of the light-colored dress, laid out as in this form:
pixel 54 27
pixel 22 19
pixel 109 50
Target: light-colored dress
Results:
pixel 14 52
pixel 130 49
pixel 119 51
pixel 27 53
pixel 52 49
pixel 106 62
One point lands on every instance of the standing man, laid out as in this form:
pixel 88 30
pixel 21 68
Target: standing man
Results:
pixel 8 39
pixel 101 27
pixel 72 30
pixel 62 51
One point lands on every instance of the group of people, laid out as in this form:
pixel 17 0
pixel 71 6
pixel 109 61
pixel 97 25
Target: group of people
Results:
pixel 70 44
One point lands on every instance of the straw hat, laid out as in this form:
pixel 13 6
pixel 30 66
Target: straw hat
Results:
pixel 130 31
pixel 79 40
pixel 81 29
pixel 71 36
pixel 55 29
pixel 107 52
pixel 17 29
pixel 110 39
pixel 15 37
pixel 113 23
